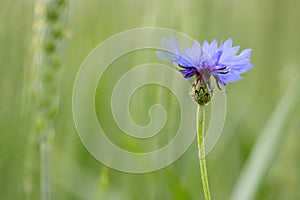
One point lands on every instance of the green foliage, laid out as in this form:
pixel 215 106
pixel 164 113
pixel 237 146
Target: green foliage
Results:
pixel 270 28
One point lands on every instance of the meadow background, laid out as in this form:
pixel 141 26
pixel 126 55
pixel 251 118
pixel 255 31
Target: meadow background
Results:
pixel 255 115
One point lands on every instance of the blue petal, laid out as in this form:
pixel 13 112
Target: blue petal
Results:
pixel 196 49
pixel 241 68
pixel 213 48
pixel 205 46
pixel 171 52
pixel 245 54
pixel 230 77
pixel 207 59
pixel 194 54
pixel 167 56
pixel 171 45
pixel 242 59
pixel 229 53
pixel 210 49
pixel 235 60
pixel 211 52
pixel 227 44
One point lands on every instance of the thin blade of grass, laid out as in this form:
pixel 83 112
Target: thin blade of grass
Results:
pixel 267 146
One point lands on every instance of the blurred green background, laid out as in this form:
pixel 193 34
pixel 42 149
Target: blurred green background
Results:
pixel 271 28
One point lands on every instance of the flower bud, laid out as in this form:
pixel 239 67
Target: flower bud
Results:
pixel 201 93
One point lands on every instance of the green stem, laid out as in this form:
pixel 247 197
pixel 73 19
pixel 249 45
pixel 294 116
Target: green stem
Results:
pixel 201 149
pixel 45 151
pixel 49 28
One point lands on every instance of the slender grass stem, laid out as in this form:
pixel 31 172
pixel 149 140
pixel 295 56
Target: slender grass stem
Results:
pixel 50 30
pixel 201 149
pixel 45 153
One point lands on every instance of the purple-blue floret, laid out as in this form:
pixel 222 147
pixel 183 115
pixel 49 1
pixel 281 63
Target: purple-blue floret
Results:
pixel 222 62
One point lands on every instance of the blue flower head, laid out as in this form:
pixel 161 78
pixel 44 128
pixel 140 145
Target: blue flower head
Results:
pixel 211 60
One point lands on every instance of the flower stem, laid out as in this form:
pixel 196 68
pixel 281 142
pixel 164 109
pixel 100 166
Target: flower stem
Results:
pixel 201 149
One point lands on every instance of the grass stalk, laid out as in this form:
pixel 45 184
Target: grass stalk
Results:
pixel 49 30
